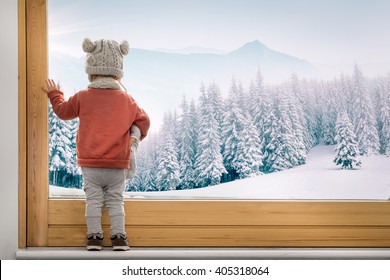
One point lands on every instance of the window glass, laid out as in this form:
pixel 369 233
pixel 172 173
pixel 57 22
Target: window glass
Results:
pixel 247 99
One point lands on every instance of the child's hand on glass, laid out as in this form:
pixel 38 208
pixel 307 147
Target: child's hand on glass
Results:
pixel 51 85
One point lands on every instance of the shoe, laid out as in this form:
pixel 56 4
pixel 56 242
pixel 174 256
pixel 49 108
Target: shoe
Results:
pixel 119 242
pixel 94 242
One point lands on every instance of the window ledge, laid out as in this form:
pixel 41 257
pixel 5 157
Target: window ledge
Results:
pixel 69 253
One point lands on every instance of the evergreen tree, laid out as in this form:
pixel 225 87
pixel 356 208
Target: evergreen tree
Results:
pixel 153 153
pixel 74 169
pixel 300 119
pixel 347 152
pixel 269 130
pixel 241 148
pixel 209 164
pixel 187 148
pixel 147 163
pixel 281 150
pixel 215 99
pixel 329 115
pixel 312 110
pixel 60 153
pixel 363 116
pixel 260 108
pixel 298 130
pixel 168 170
pixel 383 97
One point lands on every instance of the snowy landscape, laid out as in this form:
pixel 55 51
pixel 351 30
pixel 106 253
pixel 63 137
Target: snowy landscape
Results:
pixel 297 140
pixel 242 122
pixel 317 179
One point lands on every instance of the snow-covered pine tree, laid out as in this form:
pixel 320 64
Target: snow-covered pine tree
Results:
pixel 347 152
pixel 281 150
pixel 73 168
pixel 194 124
pixel 258 100
pixel 344 94
pixel 383 99
pixel 298 130
pixel 153 153
pixel 300 120
pixel 209 163
pixel 145 179
pixel 240 143
pixel 187 149
pixel 216 102
pixel 273 156
pixel 260 108
pixel 60 153
pixel 176 133
pixel 312 110
pixel 243 98
pixel 363 116
pixel 269 130
pixel 329 113
pixel 168 170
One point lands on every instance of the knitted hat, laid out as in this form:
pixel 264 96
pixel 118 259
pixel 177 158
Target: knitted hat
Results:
pixel 105 57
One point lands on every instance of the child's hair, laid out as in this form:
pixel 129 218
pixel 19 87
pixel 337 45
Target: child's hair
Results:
pixel 93 77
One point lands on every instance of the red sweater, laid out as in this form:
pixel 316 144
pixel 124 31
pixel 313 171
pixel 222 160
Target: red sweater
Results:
pixel 105 117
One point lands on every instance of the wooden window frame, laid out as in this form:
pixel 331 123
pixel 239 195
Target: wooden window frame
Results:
pixel 44 222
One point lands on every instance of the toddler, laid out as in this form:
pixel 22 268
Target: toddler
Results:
pixel 107 115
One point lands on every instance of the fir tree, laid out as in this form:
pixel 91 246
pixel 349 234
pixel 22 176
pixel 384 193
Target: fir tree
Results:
pixel 329 115
pixel 300 118
pixel 60 153
pixel 298 130
pixel 281 150
pixel 147 163
pixel 168 170
pixel 241 148
pixel 363 116
pixel 214 97
pixel 153 153
pixel 209 164
pixel 187 148
pixel 383 97
pixel 347 152
pixel 260 108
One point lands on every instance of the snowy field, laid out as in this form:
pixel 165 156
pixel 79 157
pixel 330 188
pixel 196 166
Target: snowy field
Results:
pixel 319 178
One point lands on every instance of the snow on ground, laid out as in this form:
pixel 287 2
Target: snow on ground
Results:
pixel 319 178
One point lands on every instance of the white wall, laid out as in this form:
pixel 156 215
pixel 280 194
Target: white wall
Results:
pixel 8 129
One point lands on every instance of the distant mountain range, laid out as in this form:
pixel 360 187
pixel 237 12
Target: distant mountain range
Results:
pixel 192 50
pixel 159 79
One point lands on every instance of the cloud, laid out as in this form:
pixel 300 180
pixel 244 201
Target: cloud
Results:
pixel 75 27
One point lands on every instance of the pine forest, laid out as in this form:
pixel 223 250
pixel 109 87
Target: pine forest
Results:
pixel 251 130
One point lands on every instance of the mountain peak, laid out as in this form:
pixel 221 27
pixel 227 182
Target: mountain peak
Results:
pixel 254 47
pixel 255 44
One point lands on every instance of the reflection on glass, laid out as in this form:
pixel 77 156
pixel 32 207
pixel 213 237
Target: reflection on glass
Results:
pixel 233 118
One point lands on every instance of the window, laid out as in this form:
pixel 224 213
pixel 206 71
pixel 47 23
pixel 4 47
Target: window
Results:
pixel 58 222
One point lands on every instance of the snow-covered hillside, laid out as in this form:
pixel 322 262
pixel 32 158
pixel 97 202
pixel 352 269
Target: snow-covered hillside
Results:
pixel 319 178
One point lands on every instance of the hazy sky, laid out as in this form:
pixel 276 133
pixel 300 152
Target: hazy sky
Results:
pixel 323 31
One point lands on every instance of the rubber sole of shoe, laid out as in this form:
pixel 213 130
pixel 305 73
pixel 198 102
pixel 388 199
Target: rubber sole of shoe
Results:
pixel 120 248
pixel 94 248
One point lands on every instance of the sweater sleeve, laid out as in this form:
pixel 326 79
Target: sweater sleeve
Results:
pixel 143 122
pixel 135 132
pixel 65 110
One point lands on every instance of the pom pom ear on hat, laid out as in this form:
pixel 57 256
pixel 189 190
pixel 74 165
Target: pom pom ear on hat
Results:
pixel 124 47
pixel 88 45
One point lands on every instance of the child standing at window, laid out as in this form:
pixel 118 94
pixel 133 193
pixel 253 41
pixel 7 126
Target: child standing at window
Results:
pixel 107 115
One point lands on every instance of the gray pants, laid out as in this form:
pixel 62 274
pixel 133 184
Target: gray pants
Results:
pixel 104 187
